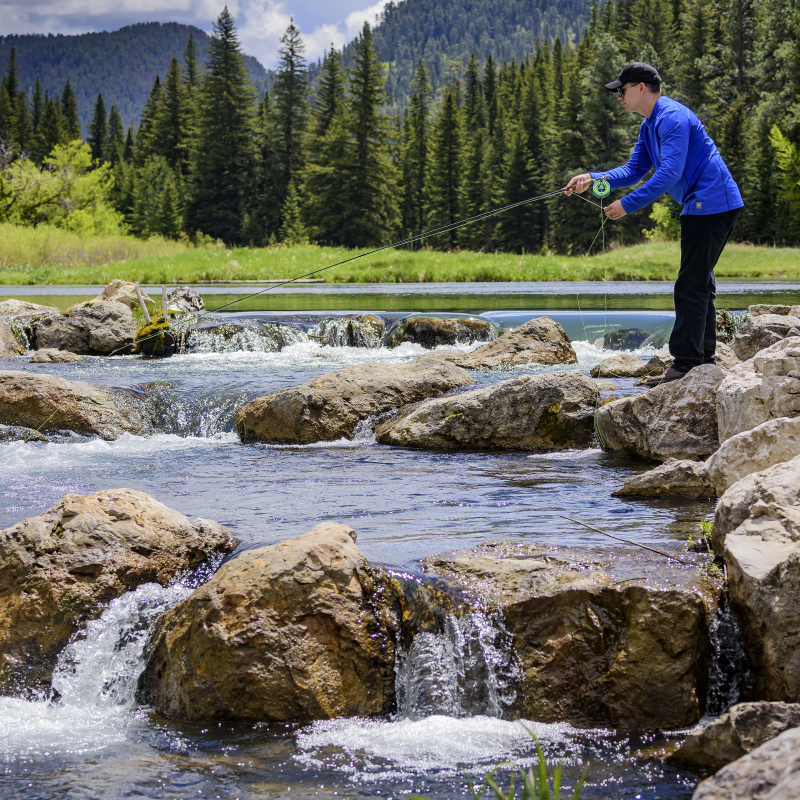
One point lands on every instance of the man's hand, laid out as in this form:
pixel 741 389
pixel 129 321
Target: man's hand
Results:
pixel 615 210
pixel 579 184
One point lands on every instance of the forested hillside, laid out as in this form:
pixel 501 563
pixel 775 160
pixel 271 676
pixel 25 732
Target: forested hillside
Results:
pixel 122 64
pixel 445 33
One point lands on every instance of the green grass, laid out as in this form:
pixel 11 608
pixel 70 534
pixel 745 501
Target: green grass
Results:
pixel 48 256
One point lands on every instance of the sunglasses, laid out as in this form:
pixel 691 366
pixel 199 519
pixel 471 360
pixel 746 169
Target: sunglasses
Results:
pixel 621 91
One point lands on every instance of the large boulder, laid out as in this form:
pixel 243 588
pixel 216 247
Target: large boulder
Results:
pixel 538 341
pixel 762 388
pixel 605 637
pixel 757 527
pixel 124 292
pixel 673 478
pixel 61 568
pixel 22 308
pixel 50 403
pixel 760 309
pixel 185 299
pixel 762 331
pixel 770 772
pixel 769 443
pixel 741 730
pixel 674 420
pixel 99 328
pixel 539 413
pixel 433 332
pixel 9 346
pixel 623 365
pixel 330 406
pixel 296 631
pixel 358 330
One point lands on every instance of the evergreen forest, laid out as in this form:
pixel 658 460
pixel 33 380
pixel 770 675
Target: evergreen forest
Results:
pixel 327 162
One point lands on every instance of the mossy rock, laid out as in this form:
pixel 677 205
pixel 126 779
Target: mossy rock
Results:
pixel 155 340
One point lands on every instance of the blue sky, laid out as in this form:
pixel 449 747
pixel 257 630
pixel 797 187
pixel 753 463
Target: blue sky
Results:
pixel 261 22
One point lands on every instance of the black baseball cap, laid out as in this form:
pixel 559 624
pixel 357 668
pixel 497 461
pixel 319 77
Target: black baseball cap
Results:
pixel 636 72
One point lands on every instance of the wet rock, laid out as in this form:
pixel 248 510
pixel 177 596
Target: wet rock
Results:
pixel 50 404
pixel 770 772
pixel 124 292
pixel 9 346
pixel 539 413
pixel 49 355
pixel 363 330
pixel 433 332
pixel 94 328
pixel 674 420
pixel 757 527
pixel 605 386
pixel 622 365
pixel 291 632
pixel 750 451
pixel 539 341
pixel 741 730
pixel 675 478
pixel 763 388
pixel 330 406
pixel 762 331
pixel 761 308
pixel 22 308
pixel 17 433
pixel 60 569
pixel 185 299
pixel 211 336
pixel 596 631
pixel 726 326
pixel 625 339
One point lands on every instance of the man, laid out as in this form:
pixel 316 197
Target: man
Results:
pixel 688 166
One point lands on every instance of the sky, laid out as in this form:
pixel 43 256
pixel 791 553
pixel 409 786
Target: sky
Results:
pixel 260 23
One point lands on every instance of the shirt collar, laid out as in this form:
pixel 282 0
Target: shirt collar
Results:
pixel 657 109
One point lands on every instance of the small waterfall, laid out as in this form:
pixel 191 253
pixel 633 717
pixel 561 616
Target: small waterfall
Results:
pixel 728 675
pixel 467 669
pixel 365 330
pixel 248 336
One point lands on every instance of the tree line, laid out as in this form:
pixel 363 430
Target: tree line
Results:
pixel 331 166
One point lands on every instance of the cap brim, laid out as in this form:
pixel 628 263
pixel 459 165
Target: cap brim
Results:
pixel 614 85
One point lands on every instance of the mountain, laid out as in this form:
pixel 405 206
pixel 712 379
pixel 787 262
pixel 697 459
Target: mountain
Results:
pixel 446 32
pixel 122 65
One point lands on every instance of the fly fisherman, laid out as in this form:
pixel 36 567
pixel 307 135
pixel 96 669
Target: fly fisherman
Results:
pixel 688 166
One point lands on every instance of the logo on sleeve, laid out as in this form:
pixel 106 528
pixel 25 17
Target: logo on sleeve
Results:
pixel 698 205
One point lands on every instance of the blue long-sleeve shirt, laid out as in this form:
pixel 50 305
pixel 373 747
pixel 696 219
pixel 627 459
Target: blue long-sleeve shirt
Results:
pixel 688 165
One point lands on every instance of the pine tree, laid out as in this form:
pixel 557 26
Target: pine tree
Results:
pixel 474 103
pixel 171 125
pixel 146 143
pixel 11 77
pixel 415 153
pixel 330 96
pixel 7 119
pixel 69 114
pixel 23 124
pixel 129 150
pixel 490 92
pixel 37 106
pixel 224 157
pixel 292 230
pixel 690 50
pixel 116 136
pixel 170 217
pixel 50 133
pixel 191 71
pixel 653 25
pixel 98 131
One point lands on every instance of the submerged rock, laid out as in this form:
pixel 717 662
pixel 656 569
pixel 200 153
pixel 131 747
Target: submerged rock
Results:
pixel 433 332
pixel 757 527
pixel 49 403
pixel 9 346
pixel 741 730
pixel 539 341
pixel 17 433
pixel 623 365
pixel 49 355
pixel 762 331
pixel 60 569
pixel 213 336
pixel 596 632
pixel 93 328
pixel 770 772
pixel 362 330
pixel 330 406
pixel 674 420
pixel 625 339
pixel 291 632
pixel 539 413
pixel 674 478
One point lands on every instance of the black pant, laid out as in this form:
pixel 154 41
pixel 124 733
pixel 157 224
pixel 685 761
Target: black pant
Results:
pixel 694 337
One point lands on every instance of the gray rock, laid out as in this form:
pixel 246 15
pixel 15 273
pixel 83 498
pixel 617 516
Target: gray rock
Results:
pixel 725 357
pixel 770 772
pixel 762 331
pixel 539 413
pixel 769 443
pixel 674 420
pixel 761 308
pixel 186 299
pixel 361 330
pixel 17 433
pixel 622 365
pixel 433 332
pixel 93 328
pixel 9 346
pixel 330 406
pixel 741 730
pixel 673 478
pixel 22 308
pixel 50 356
pixel 538 341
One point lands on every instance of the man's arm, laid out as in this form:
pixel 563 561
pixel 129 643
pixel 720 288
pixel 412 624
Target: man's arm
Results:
pixel 639 164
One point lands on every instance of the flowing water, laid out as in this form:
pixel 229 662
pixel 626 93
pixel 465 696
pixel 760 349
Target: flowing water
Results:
pixel 91 740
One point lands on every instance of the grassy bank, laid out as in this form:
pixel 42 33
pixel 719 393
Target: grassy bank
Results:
pixel 49 256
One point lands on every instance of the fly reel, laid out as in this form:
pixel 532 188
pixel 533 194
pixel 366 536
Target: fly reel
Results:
pixel 601 188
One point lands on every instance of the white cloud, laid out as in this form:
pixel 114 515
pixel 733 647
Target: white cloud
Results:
pixel 356 19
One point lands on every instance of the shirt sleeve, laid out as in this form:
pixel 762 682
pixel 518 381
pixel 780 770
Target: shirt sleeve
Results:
pixel 639 164
pixel 674 148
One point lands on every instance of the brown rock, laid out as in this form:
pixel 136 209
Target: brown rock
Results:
pixel 93 328
pixel 124 292
pixel 622 365
pixel 330 406
pixel 761 308
pixel 596 631
pixel 9 346
pixel 60 569
pixel 539 341
pixel 22 308
pixel 294 631
pixel 433 332
pixel 51 356
pixel 673 478
pixel 762 331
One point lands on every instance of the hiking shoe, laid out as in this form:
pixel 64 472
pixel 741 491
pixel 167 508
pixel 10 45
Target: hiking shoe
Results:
pixel 670 375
